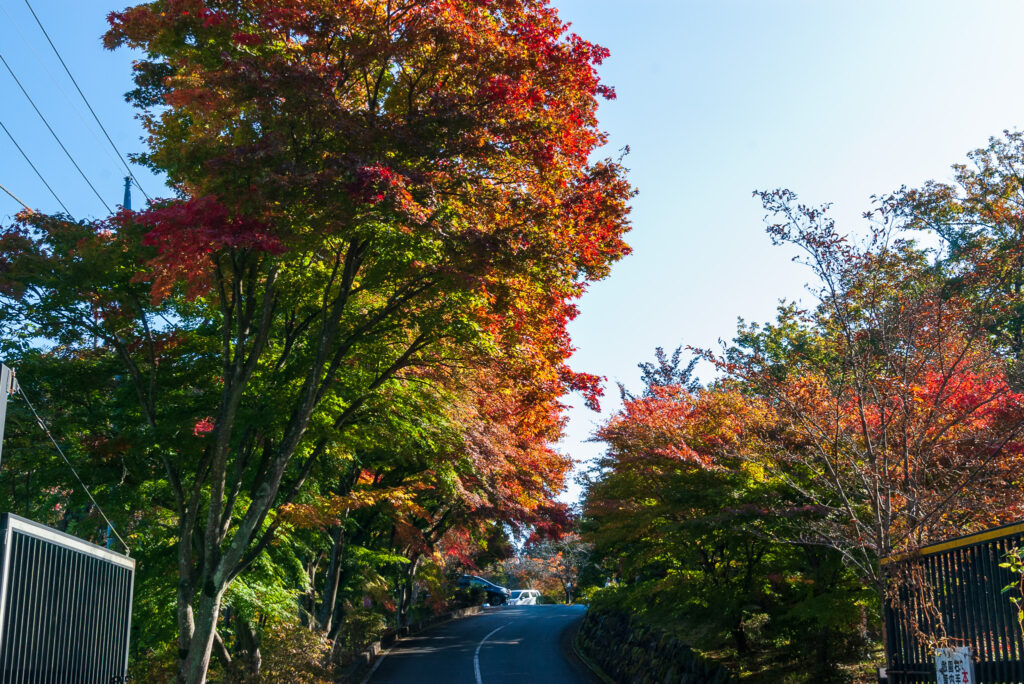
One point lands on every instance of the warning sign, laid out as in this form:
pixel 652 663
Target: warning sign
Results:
pixel 954 665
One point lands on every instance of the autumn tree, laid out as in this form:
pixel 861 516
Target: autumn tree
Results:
pixel 978 217
pixel 479 455
pixel 559 561
pixel 361 188
pixel 896 417
pixel 671 504
pixel 665 372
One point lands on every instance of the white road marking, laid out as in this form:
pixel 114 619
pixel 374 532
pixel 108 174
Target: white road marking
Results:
pixel 476 656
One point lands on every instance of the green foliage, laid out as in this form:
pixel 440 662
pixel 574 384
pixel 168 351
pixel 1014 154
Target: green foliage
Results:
pixel 695 543
pixel 295 654
pixel 337 353
pixel 362 626
pixel 1015 564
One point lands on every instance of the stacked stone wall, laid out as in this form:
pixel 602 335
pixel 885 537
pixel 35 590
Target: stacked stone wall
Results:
pixel 630 652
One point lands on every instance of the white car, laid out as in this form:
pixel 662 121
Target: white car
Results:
pixel 524 597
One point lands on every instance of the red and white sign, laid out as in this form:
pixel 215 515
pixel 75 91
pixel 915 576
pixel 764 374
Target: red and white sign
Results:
pixel 954 665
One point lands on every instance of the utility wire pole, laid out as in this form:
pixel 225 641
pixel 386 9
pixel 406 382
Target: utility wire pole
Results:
pixel 8 386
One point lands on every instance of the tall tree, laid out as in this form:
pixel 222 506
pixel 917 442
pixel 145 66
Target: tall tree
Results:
pixel 363 187
pixel 685 511
pixel 897 419
pixel 978 217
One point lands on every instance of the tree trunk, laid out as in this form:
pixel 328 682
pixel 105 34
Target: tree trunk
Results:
pixel 331 582
pixel 408 595
pixel 185 595
pixel 221 651
pixel 193 667
pixel 739 637
pixel 248 648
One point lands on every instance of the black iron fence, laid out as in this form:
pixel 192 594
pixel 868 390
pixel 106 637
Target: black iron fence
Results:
pixel 951 594
pixel 65 607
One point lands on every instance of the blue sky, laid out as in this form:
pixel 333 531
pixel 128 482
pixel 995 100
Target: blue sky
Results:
pixel 835 100
pixel 76 27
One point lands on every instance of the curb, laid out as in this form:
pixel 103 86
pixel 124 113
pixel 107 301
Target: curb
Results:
pixel 594 667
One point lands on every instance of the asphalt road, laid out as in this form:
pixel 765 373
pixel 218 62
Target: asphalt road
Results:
pixel 502 645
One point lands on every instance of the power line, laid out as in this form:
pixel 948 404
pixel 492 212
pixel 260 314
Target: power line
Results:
pixel 86 100
pixel 55 136
pixel 34 169
pixel 60 451
pixel 72 105
pixel 15 198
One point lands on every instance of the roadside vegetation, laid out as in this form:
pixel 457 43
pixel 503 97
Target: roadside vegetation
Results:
pixel 324 376
pixel 748 514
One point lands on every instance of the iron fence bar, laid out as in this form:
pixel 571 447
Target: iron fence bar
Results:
pixel 1015 647
pixel 906 656
pixel 960 594
pixel 949 581
pixel 60 633
pixel 44 609
pixel 936 583
pixel 986 608
pixel 917 654
pixel 36 612
pixel 108 624
pixel 977 629
pixel 127 624
pixel 889 615
pixel 25 554
pixel 94 641
pixel 31 603
pixel 72 619
pixel 994 557
pixel 103 626
pixel 941 574
pixel 989 596
pixel 18 610
pixel 49 610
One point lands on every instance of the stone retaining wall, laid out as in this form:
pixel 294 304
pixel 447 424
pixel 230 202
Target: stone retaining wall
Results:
pixel 632 653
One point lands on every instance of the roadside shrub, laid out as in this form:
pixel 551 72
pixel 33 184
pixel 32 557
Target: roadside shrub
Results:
pixel 361 627
pixel 156 666
pixel 292 653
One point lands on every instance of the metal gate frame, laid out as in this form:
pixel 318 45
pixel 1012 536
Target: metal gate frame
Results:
pixel 962 583
pixel 58 553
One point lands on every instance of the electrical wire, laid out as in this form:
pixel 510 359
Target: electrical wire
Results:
pixel 34 168
pixel 60 451
pixel 55 136
pixel 16 199
pixel 74 106
pixel 86 100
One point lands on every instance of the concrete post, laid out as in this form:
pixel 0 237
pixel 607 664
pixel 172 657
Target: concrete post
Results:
pixel 8 386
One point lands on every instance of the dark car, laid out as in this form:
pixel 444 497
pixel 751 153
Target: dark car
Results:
pixel 496 595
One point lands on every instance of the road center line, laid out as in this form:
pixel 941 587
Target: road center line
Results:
pixel 476 656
